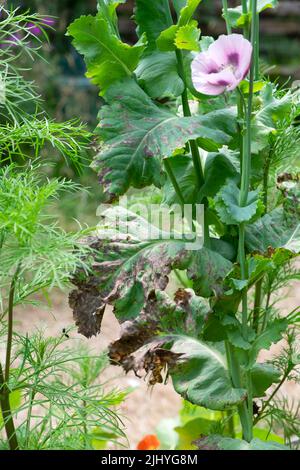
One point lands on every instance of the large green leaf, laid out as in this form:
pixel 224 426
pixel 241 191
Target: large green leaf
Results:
pixel 217 442
pixel 107 58
pixel 218 168
pixel 272 334
pixel 201 376
pixel 273 111
pixel 263 376
pixel 184 34
pixel 276 229
pixel 137 134
pixel 158 75
pixel 152 18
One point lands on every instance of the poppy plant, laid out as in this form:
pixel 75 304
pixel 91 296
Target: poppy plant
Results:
pixel 223 66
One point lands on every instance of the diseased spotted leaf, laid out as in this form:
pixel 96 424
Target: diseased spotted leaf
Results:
pixel 137 134
pixel 107 58
pixel 208 269
pixel 201 376
pixel 157 74
pixel 160 314
pixel 133 259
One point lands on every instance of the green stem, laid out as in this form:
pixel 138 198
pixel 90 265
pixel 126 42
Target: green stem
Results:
pixel 266 181
pixel 244 192
pixel 257 304
pixel 256 49
pixel 230 423
pixel 187 113
pixel 245 11
pixel 173 180
pixel 266 312
pixel 7 413
pixel 10 322
pixel 193 145
pixel 225 14
pixel 234 369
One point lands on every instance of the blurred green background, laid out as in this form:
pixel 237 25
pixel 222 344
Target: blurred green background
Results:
pixel 67 94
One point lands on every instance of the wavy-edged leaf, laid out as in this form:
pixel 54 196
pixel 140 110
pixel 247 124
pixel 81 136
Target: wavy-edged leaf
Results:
pixel 157 74
pixel 187 37
pixel 202 377
pixel 272 334
pixel 137 134
pixel 184 34
pixel 229 208
pixel 107 58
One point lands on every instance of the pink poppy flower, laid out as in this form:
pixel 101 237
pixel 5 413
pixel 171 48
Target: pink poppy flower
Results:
pixel 223 66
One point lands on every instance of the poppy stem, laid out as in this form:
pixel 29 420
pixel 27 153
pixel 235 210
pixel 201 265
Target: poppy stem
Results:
pixel 226 17
pixel 244 192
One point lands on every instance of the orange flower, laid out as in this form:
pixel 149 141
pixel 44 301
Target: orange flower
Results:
pixel 149 442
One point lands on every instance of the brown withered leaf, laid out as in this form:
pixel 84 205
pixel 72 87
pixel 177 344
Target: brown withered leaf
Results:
pixel 126 266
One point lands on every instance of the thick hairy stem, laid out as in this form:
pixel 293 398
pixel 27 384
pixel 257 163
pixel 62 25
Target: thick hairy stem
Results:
pixel 7 413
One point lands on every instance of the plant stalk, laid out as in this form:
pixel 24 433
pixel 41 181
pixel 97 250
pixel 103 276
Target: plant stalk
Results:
pixel 10 322
pixel 234 369
pixel 7 413
pixel 225 14
pixel 257 304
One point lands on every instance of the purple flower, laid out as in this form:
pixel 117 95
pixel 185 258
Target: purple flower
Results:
pixel 223 66
pixel 35 30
